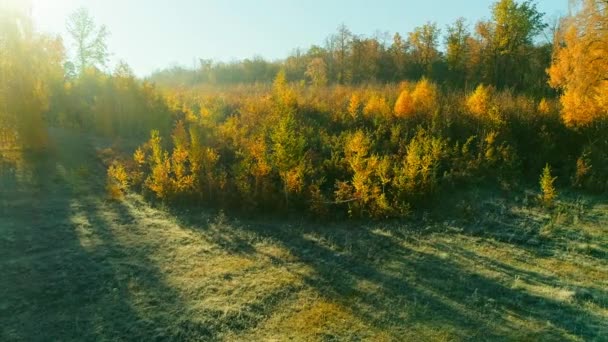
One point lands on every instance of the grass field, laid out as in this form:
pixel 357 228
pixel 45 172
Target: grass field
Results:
pixel 487 266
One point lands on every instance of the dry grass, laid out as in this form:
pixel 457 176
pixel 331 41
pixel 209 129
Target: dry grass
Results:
pixel 76 266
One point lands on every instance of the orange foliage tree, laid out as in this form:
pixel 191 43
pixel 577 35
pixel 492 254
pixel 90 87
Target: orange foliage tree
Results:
pixel 580 64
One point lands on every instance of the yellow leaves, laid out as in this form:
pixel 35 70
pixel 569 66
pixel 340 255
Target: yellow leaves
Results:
pixel 139 156
pixel 294 179
pixel 117 181
pixel 601 96
pixel 377 106
pixel 371 175
pixel 317 72
pixel 159 180
pixel 258 153
pixel 284 95
pixel 354 106
pixel 356 149
pixel 183 170
pixel 583 169
pixel 183 181
pixel 547 188
pixel 425 96
pixel 418 173
pixel 29 63
pixel 543 107
pixel 478 103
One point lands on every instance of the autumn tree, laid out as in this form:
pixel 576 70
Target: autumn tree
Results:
pixel 341 43
pixel 424 42
pixel 398 56
pixel 580 64
pixel 30 63
pixel 457 50
pixel 288 155
pixel 316 71
pixel 365 59
pixel 89 40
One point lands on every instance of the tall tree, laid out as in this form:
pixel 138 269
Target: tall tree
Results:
pixel 580 64
pixel 424 43
pixel 89 40
pixel 398 56
pixel 342 42
pixel 514 27
pixel 365 59
pixel 30 64
pixel 457 50
pixel 316 71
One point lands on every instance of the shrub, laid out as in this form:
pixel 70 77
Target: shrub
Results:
pixel 547 188
pixel 543 107
pixel 354 106
pixel 377 106
pixel 478 103
pixel 424 97
pixel 117 181
pixel 417 176
pixel 404 107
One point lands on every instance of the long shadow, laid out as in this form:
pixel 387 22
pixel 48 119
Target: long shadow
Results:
pixel 53 285
pixel 448 294
pixel 599 295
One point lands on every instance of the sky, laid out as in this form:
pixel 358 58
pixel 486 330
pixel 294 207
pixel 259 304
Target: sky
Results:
pixel 154 34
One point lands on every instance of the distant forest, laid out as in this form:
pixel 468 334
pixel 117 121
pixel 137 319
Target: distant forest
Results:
pixel 511 50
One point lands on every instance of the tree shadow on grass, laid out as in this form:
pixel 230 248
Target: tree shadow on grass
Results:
pixel 413 287
pixel 65 276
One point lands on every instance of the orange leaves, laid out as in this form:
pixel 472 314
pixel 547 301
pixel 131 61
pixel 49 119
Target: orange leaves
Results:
pixel 580 67
pixel 423 99
pixel 259 156
pixel 404 107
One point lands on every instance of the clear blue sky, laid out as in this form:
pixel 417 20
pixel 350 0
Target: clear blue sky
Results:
pixel 152 34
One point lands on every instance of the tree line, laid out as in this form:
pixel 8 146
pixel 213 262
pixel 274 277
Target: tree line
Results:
pixel 510 50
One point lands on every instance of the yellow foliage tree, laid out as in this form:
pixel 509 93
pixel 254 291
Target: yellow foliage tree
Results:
pixel 284 95
pixel 377 106
pixel 543 107
pixel 580 64
pixel 29 63
pixel 478 103
pixel 425 96
pixel 547 188
pixel 354 106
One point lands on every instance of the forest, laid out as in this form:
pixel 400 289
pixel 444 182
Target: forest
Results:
pixel 359 128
